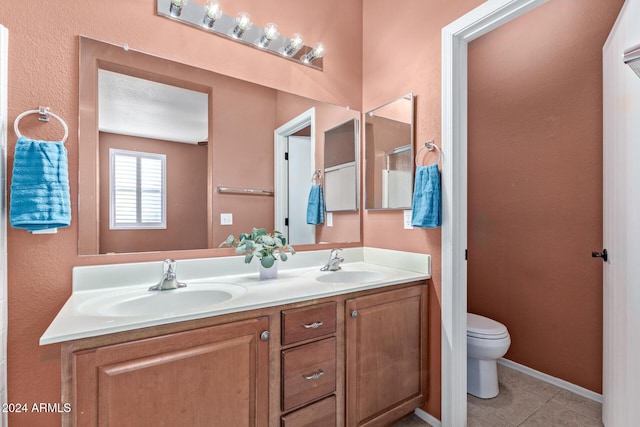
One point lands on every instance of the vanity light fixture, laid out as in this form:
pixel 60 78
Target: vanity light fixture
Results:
pixel 243 23
pixel 175 9
pixel 270 33
pixel 317 52
pixel 210 18
pixel 213 13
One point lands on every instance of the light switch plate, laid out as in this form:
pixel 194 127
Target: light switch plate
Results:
pixel 329 219
pixel 407 220
pixel 226 219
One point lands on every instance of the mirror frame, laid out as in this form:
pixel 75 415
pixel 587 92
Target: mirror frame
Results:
pixel 411 97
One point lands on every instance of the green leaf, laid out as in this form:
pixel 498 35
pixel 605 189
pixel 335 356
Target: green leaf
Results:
pixel 240 250
pixel 268 261
pixel 291 249
pixel 248 258
pixel 249 245
pixel 283 256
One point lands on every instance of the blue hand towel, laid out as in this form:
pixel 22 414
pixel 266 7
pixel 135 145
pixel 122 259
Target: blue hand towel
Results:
pixel 315 206
pixel 40 186
pixel 427 209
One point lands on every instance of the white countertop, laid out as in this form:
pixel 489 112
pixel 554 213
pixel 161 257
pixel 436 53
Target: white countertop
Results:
pixel 297 281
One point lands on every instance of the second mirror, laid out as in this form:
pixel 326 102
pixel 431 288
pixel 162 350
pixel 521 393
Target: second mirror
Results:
pixel 389 155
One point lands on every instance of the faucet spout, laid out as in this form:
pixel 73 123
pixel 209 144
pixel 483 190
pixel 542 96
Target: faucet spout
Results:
pixel 169 280
pixel 335 258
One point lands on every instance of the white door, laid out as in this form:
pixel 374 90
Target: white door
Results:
pixel 299 183
pixel 621 188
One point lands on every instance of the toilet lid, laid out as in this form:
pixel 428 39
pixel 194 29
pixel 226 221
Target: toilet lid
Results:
pixel 483 327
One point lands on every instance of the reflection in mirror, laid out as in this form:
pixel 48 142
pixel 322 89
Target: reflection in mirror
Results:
pixel 341 167
pixel 231 146
pixel 389 155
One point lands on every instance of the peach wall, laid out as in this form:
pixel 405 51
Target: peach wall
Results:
pixel 535 185
pixel 186 181
pixel 43 70
pixel 401 54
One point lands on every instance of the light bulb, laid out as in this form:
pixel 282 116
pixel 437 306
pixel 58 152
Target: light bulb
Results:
pixel 175 8
pixel 293 45
pixel 270 33
pixel 318 51
pixel 213 12
pixel 243 23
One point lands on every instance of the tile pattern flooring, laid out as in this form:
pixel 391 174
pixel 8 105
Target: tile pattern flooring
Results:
pixel 525 401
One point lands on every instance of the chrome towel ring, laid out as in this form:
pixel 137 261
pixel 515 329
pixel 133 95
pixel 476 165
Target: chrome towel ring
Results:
pixel 44 116
pixel 430 146
pixel 317 177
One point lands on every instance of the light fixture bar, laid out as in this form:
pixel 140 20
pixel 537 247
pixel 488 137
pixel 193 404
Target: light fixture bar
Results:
pixel 193 14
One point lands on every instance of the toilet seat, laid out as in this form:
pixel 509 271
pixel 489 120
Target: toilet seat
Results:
pixel 484 328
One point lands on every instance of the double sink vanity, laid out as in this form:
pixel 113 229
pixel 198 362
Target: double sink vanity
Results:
pixel 310 348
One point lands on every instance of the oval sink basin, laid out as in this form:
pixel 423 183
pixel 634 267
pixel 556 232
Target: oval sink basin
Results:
pixel 346 276
pixel 143 302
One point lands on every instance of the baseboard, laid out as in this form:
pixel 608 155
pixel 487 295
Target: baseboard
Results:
pixel 552 380
pixel 425 416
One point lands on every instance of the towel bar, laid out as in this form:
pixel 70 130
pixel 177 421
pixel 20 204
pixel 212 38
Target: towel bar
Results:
pixel 248 191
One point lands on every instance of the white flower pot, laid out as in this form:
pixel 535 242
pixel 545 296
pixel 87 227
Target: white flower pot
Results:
pixel 268 273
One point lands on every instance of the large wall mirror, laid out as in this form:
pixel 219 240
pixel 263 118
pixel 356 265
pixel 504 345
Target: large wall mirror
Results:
pixel 174 157
pixel 389 155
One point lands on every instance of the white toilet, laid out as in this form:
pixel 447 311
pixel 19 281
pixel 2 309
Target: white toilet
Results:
pixel 487 341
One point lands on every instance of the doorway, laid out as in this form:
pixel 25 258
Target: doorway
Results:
pixel 294 145
pixel 455 37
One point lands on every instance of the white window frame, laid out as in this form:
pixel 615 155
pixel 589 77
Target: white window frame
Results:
pixel 138 225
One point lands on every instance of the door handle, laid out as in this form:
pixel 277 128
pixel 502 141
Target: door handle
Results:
pixel 602 255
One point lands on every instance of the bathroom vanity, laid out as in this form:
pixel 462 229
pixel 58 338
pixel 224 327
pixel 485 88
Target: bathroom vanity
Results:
pixel 345 348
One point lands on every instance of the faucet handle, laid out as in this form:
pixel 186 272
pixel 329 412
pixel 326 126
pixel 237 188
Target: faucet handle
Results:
pixel 169 268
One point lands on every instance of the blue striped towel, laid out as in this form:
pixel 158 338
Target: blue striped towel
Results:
pixel 315 205
pixel 426 211
pixel 40 186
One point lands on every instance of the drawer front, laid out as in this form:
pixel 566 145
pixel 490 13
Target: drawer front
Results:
pixel 322 413
pixel 308 322
pixel 308 372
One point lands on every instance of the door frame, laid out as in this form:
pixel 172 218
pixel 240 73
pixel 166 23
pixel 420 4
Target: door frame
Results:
pixel 281 171
pixel 455 37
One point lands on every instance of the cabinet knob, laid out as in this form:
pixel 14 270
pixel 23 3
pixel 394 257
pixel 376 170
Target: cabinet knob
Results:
pixel 354 313
pixel 264 336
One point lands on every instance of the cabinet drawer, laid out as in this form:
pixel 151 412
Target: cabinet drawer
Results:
pixel 308 322
pixel 308 372
pixel 322 413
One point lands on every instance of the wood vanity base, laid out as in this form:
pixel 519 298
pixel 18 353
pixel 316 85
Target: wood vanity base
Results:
pixel 357 359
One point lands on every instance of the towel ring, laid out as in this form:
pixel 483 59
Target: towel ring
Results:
pixel 317 174
pixel 43 112
pixel 429 145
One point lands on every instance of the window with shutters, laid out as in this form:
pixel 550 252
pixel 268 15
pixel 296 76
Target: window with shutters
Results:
pixel 138 190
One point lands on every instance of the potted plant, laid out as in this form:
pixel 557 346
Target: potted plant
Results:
pixel 267 247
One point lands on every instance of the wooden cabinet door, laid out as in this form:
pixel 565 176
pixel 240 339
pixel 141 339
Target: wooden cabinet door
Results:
pixel 214 376
pixel 386 338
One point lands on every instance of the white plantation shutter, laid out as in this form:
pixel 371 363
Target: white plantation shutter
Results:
pixel 137 190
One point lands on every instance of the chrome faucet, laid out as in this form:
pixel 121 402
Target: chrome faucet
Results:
pixel 335 258
pixel 169 280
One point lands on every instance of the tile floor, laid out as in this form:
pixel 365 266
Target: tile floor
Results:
pixel 527 402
